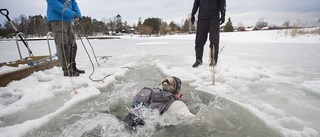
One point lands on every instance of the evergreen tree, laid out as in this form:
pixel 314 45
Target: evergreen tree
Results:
pixel 188 26
pixel 118 24
pixel 86 27
pixel 139 25
pixel 174 27
pixel 228 27
pixel 139 22
pixel 23 24
pixel 112 25
pixel 98 27
pixel 154 23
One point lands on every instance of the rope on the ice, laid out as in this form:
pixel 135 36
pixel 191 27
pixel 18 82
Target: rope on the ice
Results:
pixel 94 54
pixel 93 68
pixel 82 34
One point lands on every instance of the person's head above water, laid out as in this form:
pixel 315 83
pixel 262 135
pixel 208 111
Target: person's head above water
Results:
pixel 171 84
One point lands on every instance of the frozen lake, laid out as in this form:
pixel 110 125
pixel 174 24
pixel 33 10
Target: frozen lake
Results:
pixel 266 85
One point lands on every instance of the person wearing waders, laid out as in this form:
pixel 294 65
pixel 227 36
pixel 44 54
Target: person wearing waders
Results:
pixel 59 15
pixel 210 16
pixel 165 98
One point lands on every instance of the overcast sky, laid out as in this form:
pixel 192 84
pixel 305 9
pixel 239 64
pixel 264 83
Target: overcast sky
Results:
pixel 246 12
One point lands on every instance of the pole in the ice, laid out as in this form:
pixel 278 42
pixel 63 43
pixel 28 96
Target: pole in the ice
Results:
pixel 213 67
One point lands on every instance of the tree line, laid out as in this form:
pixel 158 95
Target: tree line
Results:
pixel 36 26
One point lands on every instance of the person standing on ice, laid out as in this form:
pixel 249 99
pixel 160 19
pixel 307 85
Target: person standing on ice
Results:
pixel 211 15
pixel 59 15
pixel 164 98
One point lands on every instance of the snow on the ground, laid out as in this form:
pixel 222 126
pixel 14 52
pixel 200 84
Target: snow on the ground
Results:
pixel 274 76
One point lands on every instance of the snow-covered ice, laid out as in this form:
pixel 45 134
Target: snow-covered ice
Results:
pixel 267 84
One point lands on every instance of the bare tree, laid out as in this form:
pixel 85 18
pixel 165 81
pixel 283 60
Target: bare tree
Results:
pixel 145 30
pixel 261 23
pixel 286 24
pixel 163 28
pixel 240 24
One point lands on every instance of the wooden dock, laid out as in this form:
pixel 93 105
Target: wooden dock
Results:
pixel 25 72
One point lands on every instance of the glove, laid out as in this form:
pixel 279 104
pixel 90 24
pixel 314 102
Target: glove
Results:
pixel 77 17
pixel 222 18
pixel 80 18
pixel 77 20
pixel 192 19
pixel 133 120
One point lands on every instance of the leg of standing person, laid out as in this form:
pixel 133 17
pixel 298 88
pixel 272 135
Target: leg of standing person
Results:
pixel 73 43
pixel 62 46
pixel 201 38
pixel 214 40
pixel 71 52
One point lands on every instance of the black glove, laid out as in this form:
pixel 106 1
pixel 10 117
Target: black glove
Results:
pixel 77 17
pixel 133 120
pixel 192 19
pixel 80 18
pixel 222 18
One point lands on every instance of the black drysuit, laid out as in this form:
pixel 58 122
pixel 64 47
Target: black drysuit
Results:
pixel 208 22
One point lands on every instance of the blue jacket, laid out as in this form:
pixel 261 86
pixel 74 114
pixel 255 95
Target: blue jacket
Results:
pixel 55 7
pixel 209 9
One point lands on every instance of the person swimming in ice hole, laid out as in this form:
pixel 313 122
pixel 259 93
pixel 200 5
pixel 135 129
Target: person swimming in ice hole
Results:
pixel 164 98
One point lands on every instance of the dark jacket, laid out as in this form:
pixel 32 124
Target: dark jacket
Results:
pixel 209 9
pixel 154 98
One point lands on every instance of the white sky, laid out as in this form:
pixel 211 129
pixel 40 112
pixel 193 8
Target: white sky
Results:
pixel 247 12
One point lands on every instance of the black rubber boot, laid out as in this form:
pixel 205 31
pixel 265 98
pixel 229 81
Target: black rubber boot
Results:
pixel 77 70
pixel 71 73
pixel 197 63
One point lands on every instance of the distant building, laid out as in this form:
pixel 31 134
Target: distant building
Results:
pixel 247 28
pixel 266 28
pixel 132 30
pixel 252 28
pixel 241 29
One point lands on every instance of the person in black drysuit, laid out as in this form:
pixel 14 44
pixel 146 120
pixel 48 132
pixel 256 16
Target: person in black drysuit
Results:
pixel 211 15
